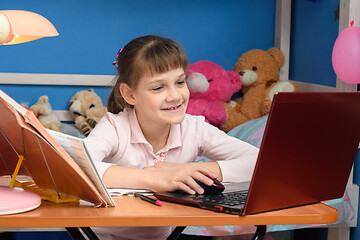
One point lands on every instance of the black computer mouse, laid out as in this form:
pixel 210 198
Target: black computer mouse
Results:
pixel 216 187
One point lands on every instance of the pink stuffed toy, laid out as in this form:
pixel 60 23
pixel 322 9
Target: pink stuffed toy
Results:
pixel 210 87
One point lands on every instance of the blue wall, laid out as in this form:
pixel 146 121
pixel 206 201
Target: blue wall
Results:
pixel 313 33
pixel 92 31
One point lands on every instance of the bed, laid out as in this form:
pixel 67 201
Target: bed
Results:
pixel 250 131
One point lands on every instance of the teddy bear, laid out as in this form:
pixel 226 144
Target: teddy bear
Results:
pixel 210 86
pixel 43 110
pixel 87 109
pixel 260 72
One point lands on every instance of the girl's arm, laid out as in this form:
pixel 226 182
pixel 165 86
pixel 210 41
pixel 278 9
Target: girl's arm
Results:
pixel 163 176
pixel 103 142
pixel 235 158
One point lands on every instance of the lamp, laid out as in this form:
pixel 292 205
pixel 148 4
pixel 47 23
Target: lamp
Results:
pixel 17 26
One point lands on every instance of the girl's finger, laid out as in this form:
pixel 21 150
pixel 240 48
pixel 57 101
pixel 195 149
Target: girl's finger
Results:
pixel 186 188
pixel 207 172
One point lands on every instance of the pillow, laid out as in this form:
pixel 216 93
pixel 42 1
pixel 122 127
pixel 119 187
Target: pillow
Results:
pixel 251 131
pixel 70 129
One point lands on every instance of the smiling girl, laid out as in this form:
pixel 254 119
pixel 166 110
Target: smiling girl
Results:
pixel 146 141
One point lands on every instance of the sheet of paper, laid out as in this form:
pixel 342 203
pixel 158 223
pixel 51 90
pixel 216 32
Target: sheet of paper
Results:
pixel 13 103
pixel 77 150
pixel 127 191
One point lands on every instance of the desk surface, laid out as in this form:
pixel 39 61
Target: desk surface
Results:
pixel 131 211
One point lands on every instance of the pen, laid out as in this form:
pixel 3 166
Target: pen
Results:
pixel 150 200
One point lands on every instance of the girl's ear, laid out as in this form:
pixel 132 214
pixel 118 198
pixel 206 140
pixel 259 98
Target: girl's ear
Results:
pixel 127 93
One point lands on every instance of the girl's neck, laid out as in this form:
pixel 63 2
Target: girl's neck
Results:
pixel 156 135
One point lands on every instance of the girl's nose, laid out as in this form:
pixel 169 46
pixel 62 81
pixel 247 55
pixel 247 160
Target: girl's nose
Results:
pixel 173 94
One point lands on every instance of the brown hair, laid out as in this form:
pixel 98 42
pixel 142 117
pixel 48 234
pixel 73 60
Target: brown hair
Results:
pixel 147 54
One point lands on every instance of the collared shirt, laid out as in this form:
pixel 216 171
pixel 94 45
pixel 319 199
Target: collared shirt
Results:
pixel 118 139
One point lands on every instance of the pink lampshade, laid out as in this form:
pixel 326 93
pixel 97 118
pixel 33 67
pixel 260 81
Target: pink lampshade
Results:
pixel 18 26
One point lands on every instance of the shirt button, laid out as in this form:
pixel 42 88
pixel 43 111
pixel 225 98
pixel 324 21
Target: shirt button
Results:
pixel 162 156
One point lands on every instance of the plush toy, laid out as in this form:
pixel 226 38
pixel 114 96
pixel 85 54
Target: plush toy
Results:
pixel 43 110
pixel 259 71
pixel 87 109
pixel 210 87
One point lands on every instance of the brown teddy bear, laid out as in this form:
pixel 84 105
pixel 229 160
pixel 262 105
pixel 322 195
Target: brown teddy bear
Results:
pixel 87 109
pixel 260 72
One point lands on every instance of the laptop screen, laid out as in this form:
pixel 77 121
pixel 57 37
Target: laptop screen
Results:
pixel 307 152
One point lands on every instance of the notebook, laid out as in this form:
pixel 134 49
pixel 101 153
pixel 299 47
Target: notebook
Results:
pixel 306 155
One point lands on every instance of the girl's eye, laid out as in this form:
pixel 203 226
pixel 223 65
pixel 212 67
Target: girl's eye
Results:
pixel 157 89
pixel 180 83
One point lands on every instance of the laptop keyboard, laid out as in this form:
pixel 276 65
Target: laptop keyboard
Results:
pixel 230 199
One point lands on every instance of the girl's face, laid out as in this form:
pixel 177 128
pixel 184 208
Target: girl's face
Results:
pixel 161 98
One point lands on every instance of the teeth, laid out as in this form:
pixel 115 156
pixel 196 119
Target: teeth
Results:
pixel 172 108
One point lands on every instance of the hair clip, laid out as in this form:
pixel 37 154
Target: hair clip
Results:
pixel 117 55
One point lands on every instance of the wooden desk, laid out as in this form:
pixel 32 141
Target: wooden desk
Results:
pixel 131 211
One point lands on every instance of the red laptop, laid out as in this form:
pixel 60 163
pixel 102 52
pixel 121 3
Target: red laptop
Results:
pixel 306 155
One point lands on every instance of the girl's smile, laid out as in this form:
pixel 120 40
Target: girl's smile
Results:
pixel 173 109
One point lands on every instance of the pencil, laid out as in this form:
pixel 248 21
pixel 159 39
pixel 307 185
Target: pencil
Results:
pixel 150 200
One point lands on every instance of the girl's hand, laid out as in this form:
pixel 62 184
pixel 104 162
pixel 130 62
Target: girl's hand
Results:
pixel 165 176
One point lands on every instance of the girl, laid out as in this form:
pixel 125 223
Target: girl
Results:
pixel 146 141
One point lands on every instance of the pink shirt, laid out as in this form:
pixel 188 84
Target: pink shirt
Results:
pixel 118 139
